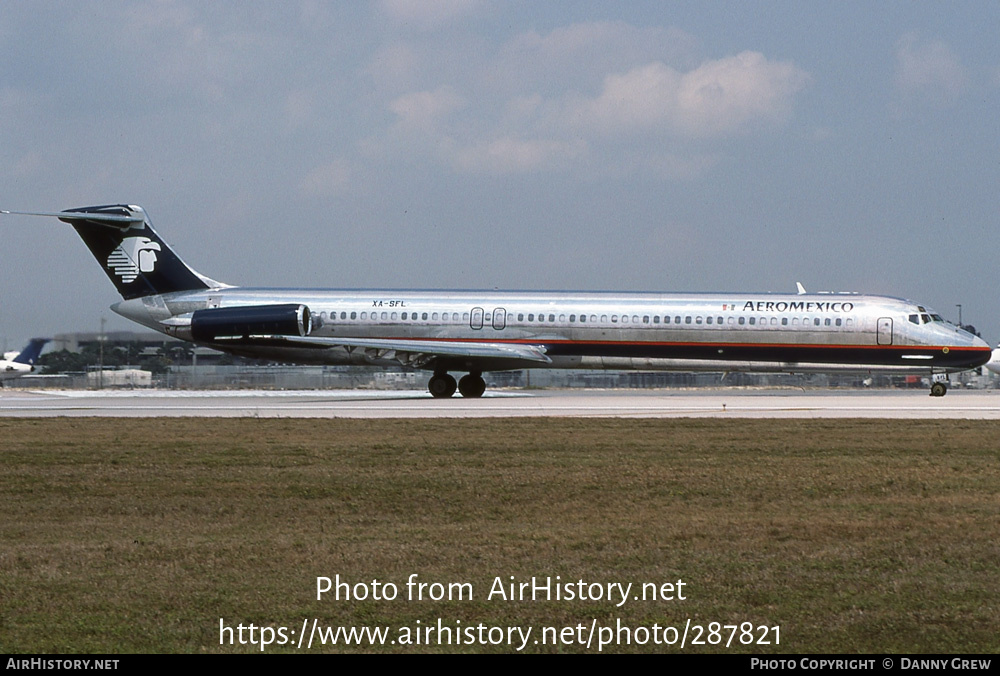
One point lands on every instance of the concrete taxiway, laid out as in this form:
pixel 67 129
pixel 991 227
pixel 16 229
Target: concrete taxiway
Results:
pixel 702 403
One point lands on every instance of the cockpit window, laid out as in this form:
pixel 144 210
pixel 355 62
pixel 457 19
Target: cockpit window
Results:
pixel 937 318
pixel 914 320
pixel 925 318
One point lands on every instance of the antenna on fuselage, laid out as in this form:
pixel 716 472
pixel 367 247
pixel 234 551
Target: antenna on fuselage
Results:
pixel 802 289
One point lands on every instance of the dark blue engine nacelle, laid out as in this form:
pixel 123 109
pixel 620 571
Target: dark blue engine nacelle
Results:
pixel 243 323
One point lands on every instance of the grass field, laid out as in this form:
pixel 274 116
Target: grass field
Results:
pixel 850 536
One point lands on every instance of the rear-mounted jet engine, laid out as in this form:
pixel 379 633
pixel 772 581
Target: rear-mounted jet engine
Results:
pixel 245 322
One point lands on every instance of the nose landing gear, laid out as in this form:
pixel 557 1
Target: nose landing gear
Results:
pixel 939 389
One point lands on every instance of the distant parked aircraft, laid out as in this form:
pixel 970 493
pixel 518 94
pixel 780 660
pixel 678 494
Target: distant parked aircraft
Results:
pixel 994 363
pixel 17 364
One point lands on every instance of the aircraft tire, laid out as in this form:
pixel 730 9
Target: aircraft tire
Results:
pixel 472 386
pixel 441 386
pixel 939 390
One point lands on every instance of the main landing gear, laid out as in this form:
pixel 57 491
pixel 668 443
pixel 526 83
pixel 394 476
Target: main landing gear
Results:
pixel 442 385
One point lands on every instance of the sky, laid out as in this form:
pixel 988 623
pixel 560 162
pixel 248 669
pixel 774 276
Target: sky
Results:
pixel 646 146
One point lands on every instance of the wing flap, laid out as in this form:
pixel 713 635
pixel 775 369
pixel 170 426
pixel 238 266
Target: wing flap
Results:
pixel 419 352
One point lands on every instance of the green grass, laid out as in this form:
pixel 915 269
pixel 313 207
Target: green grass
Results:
pixel 852 536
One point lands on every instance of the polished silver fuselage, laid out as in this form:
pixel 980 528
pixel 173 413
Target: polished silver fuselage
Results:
pixel 753 332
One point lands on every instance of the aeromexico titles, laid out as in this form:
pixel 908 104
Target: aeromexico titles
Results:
pixel 475 331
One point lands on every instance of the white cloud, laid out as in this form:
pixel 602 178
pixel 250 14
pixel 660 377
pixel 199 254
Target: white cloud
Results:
pixel 581 54
pixel 508 154
pixel 718 98
pixel 929 70
pixel 584 96
pixel 425 110
pixel 653 106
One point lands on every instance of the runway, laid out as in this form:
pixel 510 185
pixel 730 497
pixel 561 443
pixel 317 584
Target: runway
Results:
pixel 701 403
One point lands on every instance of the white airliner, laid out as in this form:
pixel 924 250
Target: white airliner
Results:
pixel 17 364
pixel 475 331
pixel 994 363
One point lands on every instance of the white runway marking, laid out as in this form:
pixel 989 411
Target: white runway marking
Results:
pixel 722 403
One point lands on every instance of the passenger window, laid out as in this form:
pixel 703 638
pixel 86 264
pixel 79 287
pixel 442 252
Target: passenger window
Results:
pixel 687 320
pixel 354 315
pixel 784 321
pixel 697 320
pixel 552 318
pixel 816 322
pixel 743 320
pixel 708 320
pixel 753 320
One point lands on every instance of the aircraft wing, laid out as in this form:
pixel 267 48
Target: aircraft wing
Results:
pixel 418 353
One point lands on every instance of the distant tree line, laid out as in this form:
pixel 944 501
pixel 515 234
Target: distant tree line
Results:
pixel 115 356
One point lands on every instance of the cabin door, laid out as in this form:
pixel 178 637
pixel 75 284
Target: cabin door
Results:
pixel 885 330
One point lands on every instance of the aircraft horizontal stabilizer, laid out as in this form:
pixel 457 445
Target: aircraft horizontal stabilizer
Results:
pixel 111 219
